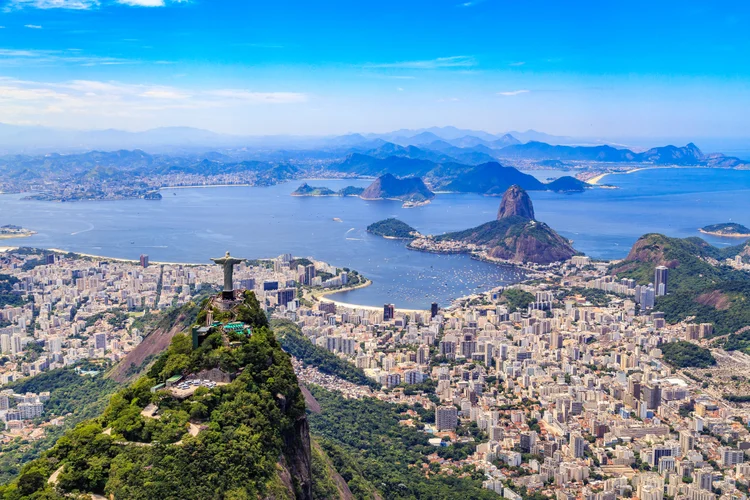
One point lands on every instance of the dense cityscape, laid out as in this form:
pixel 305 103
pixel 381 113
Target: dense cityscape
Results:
pixel 558 386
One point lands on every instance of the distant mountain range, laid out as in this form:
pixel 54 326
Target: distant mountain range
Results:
pixel 439 144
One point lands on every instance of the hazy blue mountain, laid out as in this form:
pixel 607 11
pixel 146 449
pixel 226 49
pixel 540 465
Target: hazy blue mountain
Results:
pixel 390 187
pixel 567 184
pixel 359 164
pixel 543 151
pixel 534 136
pixel 505 140
pixel 492 179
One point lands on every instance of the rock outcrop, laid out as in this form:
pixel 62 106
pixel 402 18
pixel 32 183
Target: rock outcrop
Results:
pixel 515 235
pixel 515 202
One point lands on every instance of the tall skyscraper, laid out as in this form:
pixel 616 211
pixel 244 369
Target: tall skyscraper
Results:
pixel 434 310
pixel 144 260
pixel 660 280
pixel 446 418
pixel 389 311
pixel 100 340
pixel 309 273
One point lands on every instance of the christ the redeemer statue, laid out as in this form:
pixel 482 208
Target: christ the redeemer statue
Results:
pixel 227 263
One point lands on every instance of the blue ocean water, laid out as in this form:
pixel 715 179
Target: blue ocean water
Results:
pixel 192 225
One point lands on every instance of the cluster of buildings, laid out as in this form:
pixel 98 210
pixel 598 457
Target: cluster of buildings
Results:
pixel 573 400
pixel 62 309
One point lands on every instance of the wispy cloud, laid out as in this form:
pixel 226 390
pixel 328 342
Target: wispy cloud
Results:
pixel 15 57
pixel 150 3
pixel 52 4
pixel 438 63
pixel 471 3
pixel 517 63
pixel 142 3
pixel 259 97
pixel 22 99
pixel 32 26
pixel 513 92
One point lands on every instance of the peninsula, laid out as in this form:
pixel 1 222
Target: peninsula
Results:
pixel 727 230
pixel 515 236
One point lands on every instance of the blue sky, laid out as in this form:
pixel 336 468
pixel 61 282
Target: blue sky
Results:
pixel 608 69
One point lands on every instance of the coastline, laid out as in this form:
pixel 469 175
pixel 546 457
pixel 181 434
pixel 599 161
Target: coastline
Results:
pixel 724 235
pixel 594 181
pixel 20 235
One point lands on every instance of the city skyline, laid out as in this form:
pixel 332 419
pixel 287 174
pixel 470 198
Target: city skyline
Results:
pixel 664 70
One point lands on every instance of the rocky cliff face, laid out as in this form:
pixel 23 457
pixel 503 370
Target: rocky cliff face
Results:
pixel 515 202
pixel 390 187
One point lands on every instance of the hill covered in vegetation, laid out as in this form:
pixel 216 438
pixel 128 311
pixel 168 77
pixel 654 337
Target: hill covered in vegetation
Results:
pixel 392 228
pixel 515 235
pixel 699 285
pixel 246 437
pixel 389 187
pixel 687 355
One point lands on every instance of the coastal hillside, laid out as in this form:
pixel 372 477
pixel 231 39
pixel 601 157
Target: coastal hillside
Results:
pixel 515 235
pixel 390 187
pixel 219 415
pixel 517 239
pixel 700 285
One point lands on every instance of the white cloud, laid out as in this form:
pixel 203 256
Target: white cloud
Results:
pixel 471 3
pixel 90 99
pixel 513 92
pixel 16 57
pixel 518 63
pixel 142 3
pixel 259 97
pixel 52 4
pixel 440 62
pixel 32 26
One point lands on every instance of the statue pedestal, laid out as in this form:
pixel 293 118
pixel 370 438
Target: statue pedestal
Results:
pixel 227 295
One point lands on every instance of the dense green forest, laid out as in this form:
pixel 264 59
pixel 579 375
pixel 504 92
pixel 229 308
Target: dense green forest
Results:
pixel 7 296
pixel 299 346
pixel 516 299
pixel 78 397
pixel 248 424
pixel 371 450
pixel 687 355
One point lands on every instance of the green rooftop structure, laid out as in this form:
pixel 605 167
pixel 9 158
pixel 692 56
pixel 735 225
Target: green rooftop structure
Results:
pixel 173 380
pixel 235 326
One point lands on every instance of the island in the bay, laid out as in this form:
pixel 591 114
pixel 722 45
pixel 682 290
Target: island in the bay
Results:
pixel 307 190
pixel 11 231
pixel 393 229
pixel 514 236
pixel 390 187
pixel 727 229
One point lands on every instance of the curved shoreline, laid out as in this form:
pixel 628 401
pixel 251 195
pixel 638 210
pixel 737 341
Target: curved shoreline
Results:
pixel 724 235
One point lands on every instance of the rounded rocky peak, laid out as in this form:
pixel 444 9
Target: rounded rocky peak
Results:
pixel 516 202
